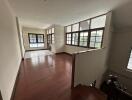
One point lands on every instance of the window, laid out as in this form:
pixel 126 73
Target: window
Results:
pixel 98 22
pixel 129 66
pixel 75 27
pixel 68 29
pixel 87 33
pixel 51 36
pixel 53 30
pixel 36 40
pixel 96 38
pixel 83 39
pixel 50 31
pixel 84 25
pixel 68 38
pixel 74 38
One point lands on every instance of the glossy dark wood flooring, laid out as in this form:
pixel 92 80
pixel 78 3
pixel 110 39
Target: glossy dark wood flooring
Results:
pixel 49 78
pixel 45 78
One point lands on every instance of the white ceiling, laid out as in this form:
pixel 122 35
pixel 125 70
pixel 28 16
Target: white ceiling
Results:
pixel 42 13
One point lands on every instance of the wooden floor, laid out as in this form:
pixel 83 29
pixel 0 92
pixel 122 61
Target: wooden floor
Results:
pixel 45 78
pixel 49 78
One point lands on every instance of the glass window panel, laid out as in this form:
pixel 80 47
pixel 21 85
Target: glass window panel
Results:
pixel 53 30
pixel 130 62
pixel 69 42
pixel 85 38
pixel 68 28
pixel 75 27
pixel 91 44
pixel 85 33
pixel 97 45
pixel 98 39
pixel 93 33
pixel 76 42
pixel 84 25
pixel 40 38
pixel 73 42
pixel 33 45
pixel 100 33
pixel 47 31
pixel 40 44
pixel 85 44
pixel 98 22
pixel 92 39
pixel 50 31
pixel 81 43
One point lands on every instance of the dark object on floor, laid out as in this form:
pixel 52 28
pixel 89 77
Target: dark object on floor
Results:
pixel 0 96
pixel 113 88
pixel 87 93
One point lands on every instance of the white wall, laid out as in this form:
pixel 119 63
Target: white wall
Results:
pixel 91 65
pixel 59 38
pixel 27 30
pixel 10 55
pixel 119 56
pixel 19 29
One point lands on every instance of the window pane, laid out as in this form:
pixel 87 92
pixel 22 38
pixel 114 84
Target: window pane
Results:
pixel 100 33
pixel 50 31
pixel 97 45
pixel 92 39
pixel 33 45
pixel 40 38
pixel 47 31
pixel 68 29
pixel 85 33
pixel 32 38
pixel 53 30
pixel 75 38
pixel 75 27
pixel 84 25
pixel 91 44
pixel 98 39
pixel 53 38
pixel 40 44
pixel 130 62
pixel 93 33
pixel 98 22
pixel 68 39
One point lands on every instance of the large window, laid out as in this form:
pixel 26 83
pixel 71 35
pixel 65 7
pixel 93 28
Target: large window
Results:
pixel 88 33
pixel 130 62
pixel 75 39
pixel 83 39
pixel 68 38
pixel 96 38
pixel 51 35
pixel 36 40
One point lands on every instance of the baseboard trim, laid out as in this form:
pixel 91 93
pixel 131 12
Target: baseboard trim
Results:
pixel 16 81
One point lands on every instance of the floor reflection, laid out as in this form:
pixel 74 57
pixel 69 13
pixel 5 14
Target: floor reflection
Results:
pixel 44 76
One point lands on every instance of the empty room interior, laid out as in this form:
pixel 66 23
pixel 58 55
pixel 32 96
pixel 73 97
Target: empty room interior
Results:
pixel 65 50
